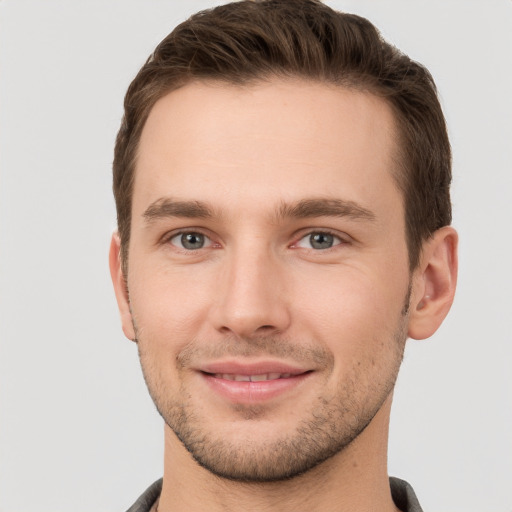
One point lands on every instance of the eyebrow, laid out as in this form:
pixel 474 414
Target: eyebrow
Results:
pixel 167 207
pixel 323 207
pixel 305 208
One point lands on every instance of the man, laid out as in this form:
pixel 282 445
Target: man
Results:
pixel 281 178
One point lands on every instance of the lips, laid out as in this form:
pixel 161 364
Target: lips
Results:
pixel 251 368
pixel 252 378
pixel 255 382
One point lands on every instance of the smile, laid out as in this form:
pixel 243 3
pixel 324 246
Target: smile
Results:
pixel 243 383
pixel 252 378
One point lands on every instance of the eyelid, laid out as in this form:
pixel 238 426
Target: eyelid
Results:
pixel 343 238
pixel 167 237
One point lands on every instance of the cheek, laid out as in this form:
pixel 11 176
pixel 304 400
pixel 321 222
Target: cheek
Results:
pixel 354 313
pixel 344 294
pixel 169 306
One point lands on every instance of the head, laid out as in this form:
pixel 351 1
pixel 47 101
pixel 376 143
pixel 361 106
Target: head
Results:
pixel 281 178
pixel 249 41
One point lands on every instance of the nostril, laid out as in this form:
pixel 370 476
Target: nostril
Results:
pixel 265 328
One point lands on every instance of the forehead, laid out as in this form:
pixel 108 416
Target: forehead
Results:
pixel 271 141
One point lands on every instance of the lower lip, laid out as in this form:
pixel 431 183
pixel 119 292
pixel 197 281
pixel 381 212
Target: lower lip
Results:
pixel 244 392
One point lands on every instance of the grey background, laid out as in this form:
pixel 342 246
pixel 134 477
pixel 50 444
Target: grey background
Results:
pixel 77 429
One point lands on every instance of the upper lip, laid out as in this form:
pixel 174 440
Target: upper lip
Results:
pixel 251 368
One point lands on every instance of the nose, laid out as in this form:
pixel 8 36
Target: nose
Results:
pixel 251 295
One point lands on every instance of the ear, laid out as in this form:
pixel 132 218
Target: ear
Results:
pixel 434 283
pixel 120 288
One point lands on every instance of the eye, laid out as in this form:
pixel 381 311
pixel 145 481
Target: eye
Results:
pixel 319 240
pixel 190 241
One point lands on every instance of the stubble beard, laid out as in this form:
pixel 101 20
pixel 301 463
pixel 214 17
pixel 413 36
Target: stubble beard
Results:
pixel 331 425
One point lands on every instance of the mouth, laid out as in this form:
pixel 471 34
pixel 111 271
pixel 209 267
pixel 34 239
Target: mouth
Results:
pixel 251 378
pixel 253 383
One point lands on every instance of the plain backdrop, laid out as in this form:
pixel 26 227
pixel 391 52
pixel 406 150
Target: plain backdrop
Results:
pixel 78 431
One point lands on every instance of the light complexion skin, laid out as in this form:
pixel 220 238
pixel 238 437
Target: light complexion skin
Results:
pixel 270 294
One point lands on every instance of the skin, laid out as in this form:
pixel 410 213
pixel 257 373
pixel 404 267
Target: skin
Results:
pixel 261 160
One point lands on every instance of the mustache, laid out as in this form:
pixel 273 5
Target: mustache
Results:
pixel 197 351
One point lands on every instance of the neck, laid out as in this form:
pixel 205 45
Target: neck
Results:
pixel 354 480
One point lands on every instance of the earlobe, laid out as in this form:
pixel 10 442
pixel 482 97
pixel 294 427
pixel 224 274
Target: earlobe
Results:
pixel 120 288
pixel 434 283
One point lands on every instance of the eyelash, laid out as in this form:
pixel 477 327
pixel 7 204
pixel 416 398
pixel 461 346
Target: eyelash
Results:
pixel 166 239
pixel 339 240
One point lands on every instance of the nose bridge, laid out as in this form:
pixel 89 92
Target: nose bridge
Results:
pixel 251 297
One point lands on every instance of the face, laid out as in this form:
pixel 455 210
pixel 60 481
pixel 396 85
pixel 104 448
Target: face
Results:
pixel 268 273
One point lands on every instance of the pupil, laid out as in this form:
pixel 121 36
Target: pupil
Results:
pixel 192 240
pixel 321 240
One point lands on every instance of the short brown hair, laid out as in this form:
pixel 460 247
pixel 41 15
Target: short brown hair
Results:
pixel 249 40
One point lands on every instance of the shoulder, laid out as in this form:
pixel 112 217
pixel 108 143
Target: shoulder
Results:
pixel 148 498
pixel 404 496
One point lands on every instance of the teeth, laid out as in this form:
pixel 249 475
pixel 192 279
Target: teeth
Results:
pixel 242 378
pixel 252 378
pixel 257 378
